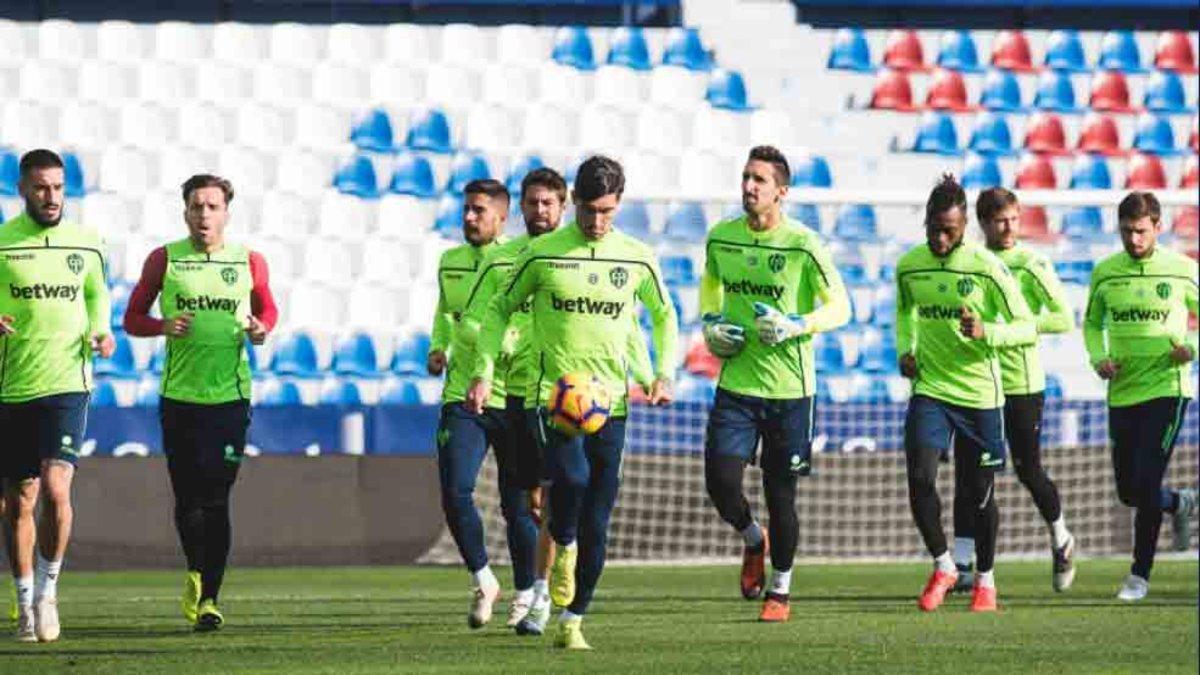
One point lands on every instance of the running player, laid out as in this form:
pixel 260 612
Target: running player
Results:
pixel 957 305
pixel 1024 392
pixel 1137 340
pixel 53 316
pixel 213 295
pixel 772 276
pixel 582 282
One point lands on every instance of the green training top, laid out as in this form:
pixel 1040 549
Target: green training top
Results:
pixel 930 292
pixel 457 270
pixel 58 298
pixel 209 365
pixel 518 339
pixel 583 295
pixel 1021 366
pixel 1141 306
pixel 787 268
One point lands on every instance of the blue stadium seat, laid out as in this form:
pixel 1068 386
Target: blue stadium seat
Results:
pixel 449 217
pixel 521 168
pixel 1074 271
pixel 872 391
pixel 1155 136
pixel 277 392
pixel 1064 52
pixel 824 395
pixel 104 395
pixel 355 355
pixel 573 47
pixel 856 222
pixel 879 355
pixel 811 171
pixel 1055 93
pixel 118 294
pixel 850 51
pixel 1053 386
pixel 829 355
pixel 980 172
pixel 429 130
pixel 336 391
pixel 686 222
pixel 807 214
pixel 1090 173
pixel 884 312
pixel 413 175
pixel 853 274
pixel 1001 92
pixel 10 173
pixel 400 391
pixel 252 357
pixel 121 364
pixel 357 177
pixel 958 52
pixel 727 90
pixel 1084 223
pixel 695 389
pixel 1164 94
pixel 467 166
pixel 991 135
pixel 74 184
pixel 373 131
pixel 678 270
pixel 1119 51
pixel 936 134
pixel 628 48
pixel 147 395
pixel 158 360
pixel 410 355
pixel 633 218
pixel 685 50
pixel 295 355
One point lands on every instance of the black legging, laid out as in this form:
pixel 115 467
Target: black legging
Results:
pixel 922 465
pixel 723 479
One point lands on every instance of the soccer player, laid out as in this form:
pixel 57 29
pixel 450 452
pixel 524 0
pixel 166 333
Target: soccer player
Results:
pixel 464 436
pixel 582 282
pixel 53 316
pixel 213 295
pixel 957 305
pixel 1137 340
pixel 772 277
pixel 1024 392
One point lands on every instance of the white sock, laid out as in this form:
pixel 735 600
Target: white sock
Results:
pixel 752 535
pixel 24 592
pixel 485 578
pixel 964 550
pixel 944 562
pixel 781 582
pixel 541 588
pixel 526 596
pixel 567 615
pixel 1059 532
pixel 46 578
pixel 985 579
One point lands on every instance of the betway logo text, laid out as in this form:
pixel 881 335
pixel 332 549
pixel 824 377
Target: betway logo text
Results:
pixel 44 292
pixel 1139 315
pixel 582 305
pixel 937 312
pixel 745 287
pixel 206 304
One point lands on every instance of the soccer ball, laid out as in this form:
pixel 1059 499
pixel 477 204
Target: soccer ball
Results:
pixel 579 404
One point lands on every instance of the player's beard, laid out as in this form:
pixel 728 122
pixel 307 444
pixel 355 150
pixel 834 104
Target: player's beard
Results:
pixel 35 214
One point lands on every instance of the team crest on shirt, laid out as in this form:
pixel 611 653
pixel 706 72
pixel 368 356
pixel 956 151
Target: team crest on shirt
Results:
pixel 965 286
pixel 619 276
pixel 752 261
pixel 593 278
pixel 229 275
pixel 776 262
pixel 941 288
pixel 75 263
pixel 1163 290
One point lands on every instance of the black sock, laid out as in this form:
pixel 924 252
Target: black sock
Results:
pixel 189 523
pixel 217 539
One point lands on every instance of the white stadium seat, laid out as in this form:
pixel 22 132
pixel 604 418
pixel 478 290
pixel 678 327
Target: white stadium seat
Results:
pixel 619 86
pixel 509 85
pixel 389 262
pixel 325 261
pixel 354 44
pixel 465 44
pixel 282 256
pixel 302 172
pixel 522 45
pixel 650 173
pixel 404 217
pixel 280 84
pixel 375 307
pixel 86 125
pixel 489 127
pixel 703 173
pixel 563 85
pixel 314 306
pixel 322 128
pixel 126 171
pixel 719 130
pixel 345 217
pixel 179 41
pixel 246 168
pixel 264 127
pixel 161 216
pixel 46 81
pixel 452 86
pixel 771 127
pixel 106 82
pixel 397 84
pixel 122 41
pixel 240 42
pixel 146 125
pixel 287 214
pixel 406 44
pixel 676 88
pixel 25 125
pixel 17 41
pixel 203 125
pixel 107 212
pixel 164 81
pixel 295 43
pixel 548 127
pixel 604 129
pixel 661 130
pixel 60 40
pixel 340 84
pixel 178 163
pixel 223 82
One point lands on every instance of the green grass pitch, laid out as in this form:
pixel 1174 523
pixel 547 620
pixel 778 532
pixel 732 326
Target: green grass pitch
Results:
pixel 660 619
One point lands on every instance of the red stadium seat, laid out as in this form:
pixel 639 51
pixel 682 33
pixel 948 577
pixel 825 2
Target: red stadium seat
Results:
pixel 892 92
pixel 1044 134
pixel 1035 172
pixel 903 51
pixel 1146 173
pixel 1194 139
pixel 1174 52
pixel 1010 51
pixel 1035 226
pixel 700 361
pixel 1100 136
pixel 1110 92
pixel 1187 223
pixel 1191 173
pixel 948 91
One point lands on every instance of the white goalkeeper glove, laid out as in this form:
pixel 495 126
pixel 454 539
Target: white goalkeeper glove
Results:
pixel 775 327
pixel 723 339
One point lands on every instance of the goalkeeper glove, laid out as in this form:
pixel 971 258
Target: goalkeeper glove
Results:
pixel 723 339
pixel 774 327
